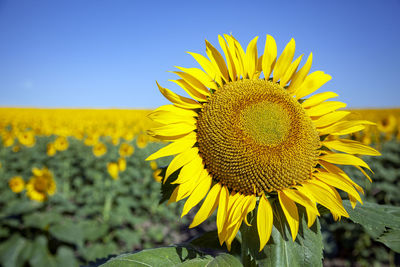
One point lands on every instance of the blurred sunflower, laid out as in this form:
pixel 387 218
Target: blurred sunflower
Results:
pixel 61 143
pixel 121 164
pixel 99 149
pixel 126 150
pixel 51 149
pixel 113 170
pixel 41 185
pixel 141 141
pixel 246 136
pixel 16 184
pixel 387 124
pixel 27 138
pixel 157 175
pixel 8 139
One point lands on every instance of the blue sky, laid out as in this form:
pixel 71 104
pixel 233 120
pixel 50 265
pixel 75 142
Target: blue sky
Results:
pixel 101 54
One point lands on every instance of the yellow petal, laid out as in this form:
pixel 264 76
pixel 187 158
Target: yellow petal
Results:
pixel 289 73
pixel 202 77
pixel 264 221
pixel 176 147
pixel 336 181
pixel 217 60
pixel 344 159
pixel 232 235
pixel 237 210
pixel 351 147
pixel 179 101
pixel 269 56
pixel 336 170
pixel 312 83
pixel 186 189
pixel 330 118
pixel 311 217
pixel 353 201
pixel 175 110
pixel 283 62
pixel 301 199
pixel 249 207
pixel 168 117
pixel 317 99
pixel 290 210
pixel 208 67
pixel 324 108
pixel 365 174
pixel 325 196
pixel 344 127
pixel 224 232
pixel 198 194
pixel 190 170
pixel 208 207
pixel 222 209
pixel 237 59
pixel 196 84
pixel 229 58
pixel 241 56
pixel 251 58
pixel 180 160
pixel 298 77
pixel 193 92
pixel 170 131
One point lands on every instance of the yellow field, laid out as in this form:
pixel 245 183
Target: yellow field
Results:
pixel 387 124
pixel 19 126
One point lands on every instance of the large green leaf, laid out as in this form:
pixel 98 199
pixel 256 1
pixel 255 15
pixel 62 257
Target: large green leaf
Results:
pixel 11 250
pixel 171 256
pixel 381 222
pixel 209 241
pixel 68 231
pixel 281 250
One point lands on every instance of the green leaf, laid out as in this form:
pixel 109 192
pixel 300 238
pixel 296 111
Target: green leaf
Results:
pixel 381 222
pixel 68 231
pixel 281 250
pixel 11 249
pixel 99 250
pixel 166 186
pixel 165 256
pixel 221 260
pixel 65 257
pixel 209 241
pixel 41 255
pixel 41 220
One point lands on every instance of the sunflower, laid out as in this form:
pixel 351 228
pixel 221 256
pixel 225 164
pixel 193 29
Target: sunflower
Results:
pixel 41 185
pixel 61 143
pixel 16 184
pixel 247 138
pixel 126 150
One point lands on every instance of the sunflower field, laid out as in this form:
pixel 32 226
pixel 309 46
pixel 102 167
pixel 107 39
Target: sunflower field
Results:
pixel 75 188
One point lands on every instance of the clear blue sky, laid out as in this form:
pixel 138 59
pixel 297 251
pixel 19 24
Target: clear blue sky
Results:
pixel 93 53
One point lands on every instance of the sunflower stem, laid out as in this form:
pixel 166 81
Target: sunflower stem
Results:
pixel 246 237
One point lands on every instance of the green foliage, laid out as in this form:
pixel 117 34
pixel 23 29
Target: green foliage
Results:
pixel 381 222
pixel 172 256
pixel 354 243
pixel 91 215
pixel 281 250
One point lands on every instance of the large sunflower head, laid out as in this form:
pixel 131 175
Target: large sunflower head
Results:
pixel 248 136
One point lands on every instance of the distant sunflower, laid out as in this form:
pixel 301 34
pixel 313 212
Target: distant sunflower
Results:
pixel 248 137
pixel 41 185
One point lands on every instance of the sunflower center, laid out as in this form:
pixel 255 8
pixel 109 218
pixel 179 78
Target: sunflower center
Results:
pixel 266 122
pixel 254 137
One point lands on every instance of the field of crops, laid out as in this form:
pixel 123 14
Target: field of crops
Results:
pixel 75 187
